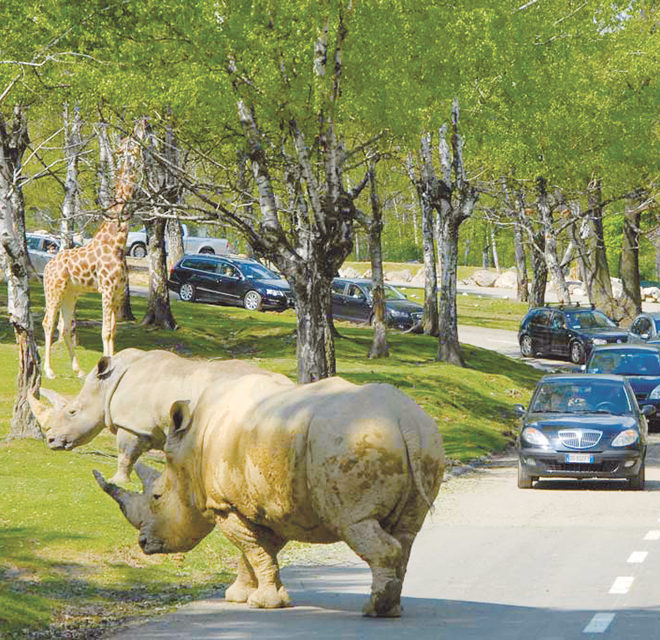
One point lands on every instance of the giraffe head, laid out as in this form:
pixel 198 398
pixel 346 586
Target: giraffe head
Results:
pixel 130 155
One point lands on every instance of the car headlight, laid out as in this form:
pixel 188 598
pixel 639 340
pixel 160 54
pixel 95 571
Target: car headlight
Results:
pixel 396 313
pixel 626 438
pixel 533 436
pixel 274 292
pixel 655 394
pixel 599 341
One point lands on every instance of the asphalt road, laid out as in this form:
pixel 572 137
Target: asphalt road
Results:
pixel 565 560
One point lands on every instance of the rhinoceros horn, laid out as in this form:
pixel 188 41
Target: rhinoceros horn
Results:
pixel 42 412
pixel 133 505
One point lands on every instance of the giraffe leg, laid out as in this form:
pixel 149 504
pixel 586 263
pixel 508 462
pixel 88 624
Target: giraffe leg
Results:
pixel 109 328
pixel 68 309
pixel 48 324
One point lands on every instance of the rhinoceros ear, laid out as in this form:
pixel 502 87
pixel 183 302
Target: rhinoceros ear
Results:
pixel 104 368
pixel 181 417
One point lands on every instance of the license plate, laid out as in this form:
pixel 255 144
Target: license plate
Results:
pixel 582 458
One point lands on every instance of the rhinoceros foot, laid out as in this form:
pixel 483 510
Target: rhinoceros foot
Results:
pixel 239 592
pixel 269 597
pixel 385 602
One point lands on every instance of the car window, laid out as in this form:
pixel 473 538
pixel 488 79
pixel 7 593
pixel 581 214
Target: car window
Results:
pixel 354 291
pixel 588 320
pixel 642 325
pixel 338 288
pixel 557 321
pixel 656 325
pixel 33 243
pixel 227 270
pixel 581 397
pixel 625 364
pixel 258 271
pixel 200 265
pixel 543 318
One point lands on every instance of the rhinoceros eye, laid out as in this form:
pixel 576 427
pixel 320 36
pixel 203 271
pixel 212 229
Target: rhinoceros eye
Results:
pixel 156 496
pixel 72 412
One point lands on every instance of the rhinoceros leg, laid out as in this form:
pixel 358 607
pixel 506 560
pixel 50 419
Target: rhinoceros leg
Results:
pixel 259 547
pixel 129 448
pixel 244 585
pixel 383 553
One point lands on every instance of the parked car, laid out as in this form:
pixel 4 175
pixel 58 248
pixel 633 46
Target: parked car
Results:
pixel 136 243
pixel 645 328
pixel 351 300
pixel 567 331
pixel 41 249
pixel 583 426
pixel 639 363
pixel 232 281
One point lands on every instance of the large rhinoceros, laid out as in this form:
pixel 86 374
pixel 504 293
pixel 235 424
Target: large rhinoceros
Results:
pixel 270 461
pixel 133 389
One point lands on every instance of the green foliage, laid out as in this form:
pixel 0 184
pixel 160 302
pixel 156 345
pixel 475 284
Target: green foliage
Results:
pixel 67 556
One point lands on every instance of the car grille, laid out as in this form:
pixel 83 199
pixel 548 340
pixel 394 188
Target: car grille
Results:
pixel 640 396
pixel 616 340
pixel 608 466
pixel 416 316
pixel 579 438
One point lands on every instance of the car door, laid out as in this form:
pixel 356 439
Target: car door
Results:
pixel 356 303
pixel 641 329
pixel 229 283
pixel 539 330
pixel 559 338
pixel 338 289
pixel 202 276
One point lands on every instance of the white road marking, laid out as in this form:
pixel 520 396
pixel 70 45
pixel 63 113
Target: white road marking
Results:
pixel 622 585
pixel 599 623
pixel 637 557
pixel 652 535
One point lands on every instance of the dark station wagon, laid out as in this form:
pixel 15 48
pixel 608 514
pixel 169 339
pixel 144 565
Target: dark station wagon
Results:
pixel 233 281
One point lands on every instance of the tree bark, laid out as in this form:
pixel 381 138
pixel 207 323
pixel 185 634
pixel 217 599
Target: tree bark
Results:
pixel 72 149
pixel 551 258
pixel 13 143
pixel 159 312
pixel 379 345
pixel 631 297
pixel 518 213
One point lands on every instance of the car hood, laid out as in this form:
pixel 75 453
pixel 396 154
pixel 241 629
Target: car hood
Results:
pixel 404 305
pixel 273 283
pixel 608 333
pixel 643 384
pixel 605 422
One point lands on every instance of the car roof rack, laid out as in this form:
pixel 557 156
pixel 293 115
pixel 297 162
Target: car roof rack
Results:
pixel 570 305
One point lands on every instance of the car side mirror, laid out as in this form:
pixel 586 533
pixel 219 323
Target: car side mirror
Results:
pixel 644 336
pixel 519 410
pixel 648 410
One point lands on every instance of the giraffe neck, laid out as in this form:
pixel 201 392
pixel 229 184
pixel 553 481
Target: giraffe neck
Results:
pixel 112 233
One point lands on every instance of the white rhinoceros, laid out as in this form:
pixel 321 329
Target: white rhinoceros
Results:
pixel 270 461
pixel 134 389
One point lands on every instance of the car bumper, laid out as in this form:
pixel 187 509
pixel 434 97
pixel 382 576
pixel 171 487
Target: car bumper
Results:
pixel 606 464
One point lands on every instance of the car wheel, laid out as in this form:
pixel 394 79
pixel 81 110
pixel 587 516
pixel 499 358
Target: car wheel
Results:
pixel 576 353
pixel 525 480
pixel 636 483
pixel 187 292
pixel 138 250
pixel 252 301
pixel 527 346
pixel 206 250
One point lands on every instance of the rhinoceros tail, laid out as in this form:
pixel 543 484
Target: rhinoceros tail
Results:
pixel 413 442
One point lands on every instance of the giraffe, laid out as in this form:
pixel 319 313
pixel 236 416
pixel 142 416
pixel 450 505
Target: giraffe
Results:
pixel 99 265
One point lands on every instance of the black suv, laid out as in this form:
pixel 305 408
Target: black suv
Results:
pixel 566 330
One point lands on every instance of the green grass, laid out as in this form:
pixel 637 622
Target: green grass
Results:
pixel 70 563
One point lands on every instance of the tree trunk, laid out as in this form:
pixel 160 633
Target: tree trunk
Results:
pixel 379 344
pixel 551 258
pixel 72 150
pixel 159 312
pixel 174 235
pixel 13 143
pixel 632 295
pixel 519 246
pixel 449 348
pixel 540 271
pixel 493 245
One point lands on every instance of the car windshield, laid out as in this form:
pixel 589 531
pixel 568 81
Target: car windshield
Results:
pixel 389 291
pixel 575 396
pixel 634 363
pixel 258 272
pixel 588 320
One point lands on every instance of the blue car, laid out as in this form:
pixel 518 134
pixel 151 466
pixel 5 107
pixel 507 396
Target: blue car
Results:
pixel 639 363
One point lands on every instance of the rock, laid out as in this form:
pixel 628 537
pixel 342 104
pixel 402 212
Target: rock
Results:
pixel 483 278
pixel 508 280
pixel 405 275
pixel 348 272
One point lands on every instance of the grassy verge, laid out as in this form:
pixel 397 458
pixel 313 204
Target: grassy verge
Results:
pixel 69 562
